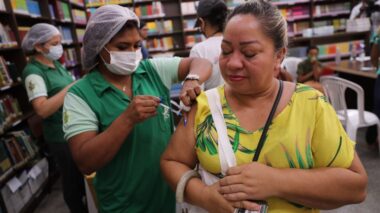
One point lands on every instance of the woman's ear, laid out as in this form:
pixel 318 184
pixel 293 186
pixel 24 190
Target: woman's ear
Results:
pixel 280 55
pixel 39 48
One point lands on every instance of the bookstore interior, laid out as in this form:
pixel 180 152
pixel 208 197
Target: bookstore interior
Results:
pixel 26 172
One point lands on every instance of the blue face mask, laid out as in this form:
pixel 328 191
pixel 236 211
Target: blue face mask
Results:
pixel 55 52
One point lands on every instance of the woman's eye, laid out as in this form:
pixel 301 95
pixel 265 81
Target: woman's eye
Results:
pixel 226 52
pixel 249 55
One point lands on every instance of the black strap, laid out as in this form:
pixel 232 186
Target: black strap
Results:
pixel 268 122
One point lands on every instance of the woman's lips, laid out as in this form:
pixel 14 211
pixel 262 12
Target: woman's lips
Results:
pixel 236 77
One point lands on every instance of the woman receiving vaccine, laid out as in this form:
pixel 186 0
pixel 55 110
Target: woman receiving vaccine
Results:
pixel 46 82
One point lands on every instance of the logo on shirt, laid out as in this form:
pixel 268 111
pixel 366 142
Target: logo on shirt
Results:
pixel 31 86
pixel 65 117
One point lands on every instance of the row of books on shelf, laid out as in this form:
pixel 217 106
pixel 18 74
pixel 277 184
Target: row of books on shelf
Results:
pixel 159 26
pixel 298 28
pixel 10 112
pixel 80 34
pixel 150 11
pixel 161 44
pixel 7 37
pixel 189 8
pixel 97 3
pixel 188 24
pixel 191 40
pixel 303 12
pixel 328 51
pixel 26 7
pixel 69 57
pixel 15 147
pixel 336 8
pixel 60 11
pixel 67 37
pixel 78 2
pixel 79 16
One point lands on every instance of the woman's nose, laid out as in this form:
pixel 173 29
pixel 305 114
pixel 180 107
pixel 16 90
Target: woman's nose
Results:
pixel 235 62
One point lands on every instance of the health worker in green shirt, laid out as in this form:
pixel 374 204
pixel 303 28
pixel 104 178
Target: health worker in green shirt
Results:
pixel 117 119
pixel 46 82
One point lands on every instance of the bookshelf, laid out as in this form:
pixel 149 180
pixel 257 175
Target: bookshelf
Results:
pixel 171 22
pixel 16 18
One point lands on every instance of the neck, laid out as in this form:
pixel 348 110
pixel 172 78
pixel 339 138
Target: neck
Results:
pixel 211 31
pixel 252 99
pixel 43 60
pixel 120 81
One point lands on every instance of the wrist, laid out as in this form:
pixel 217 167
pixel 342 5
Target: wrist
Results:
pixel 192 77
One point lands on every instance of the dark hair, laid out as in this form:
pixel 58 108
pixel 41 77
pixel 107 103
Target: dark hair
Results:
pixel 312 47
pixel 273 24
pixel 142 24
pixel 217 16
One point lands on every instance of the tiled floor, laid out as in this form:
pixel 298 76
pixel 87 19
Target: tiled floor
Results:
pixel 370 158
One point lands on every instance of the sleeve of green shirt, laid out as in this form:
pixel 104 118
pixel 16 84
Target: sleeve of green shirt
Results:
pixel 77 116
pixel 35 86
pixel 167 69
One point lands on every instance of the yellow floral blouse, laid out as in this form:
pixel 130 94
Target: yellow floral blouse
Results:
pixel 306 134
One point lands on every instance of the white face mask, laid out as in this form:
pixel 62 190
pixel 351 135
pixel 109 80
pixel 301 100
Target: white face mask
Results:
pixel 55 52
pixel 123 62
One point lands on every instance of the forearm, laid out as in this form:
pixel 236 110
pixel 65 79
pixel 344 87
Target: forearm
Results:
pixel 375 55
pixel 323 188
pixel 98 151
pixel 197 66
pixel 173 172
pixel 305 77
pixel 47 107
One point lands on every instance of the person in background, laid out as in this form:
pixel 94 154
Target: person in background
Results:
pixel 117 119
pixel 372 133
pixel 211 18
pixel 307 161
pixel 310 69
pixel 144 35
pixel 46 82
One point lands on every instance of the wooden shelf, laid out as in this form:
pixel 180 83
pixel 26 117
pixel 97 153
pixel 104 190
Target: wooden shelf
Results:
pixel 15 48
pixel 7 87
pixel 159 18
pixel 333 15
pixel 3 12
pixel 290 3
pixel 32 17
pixel 164 34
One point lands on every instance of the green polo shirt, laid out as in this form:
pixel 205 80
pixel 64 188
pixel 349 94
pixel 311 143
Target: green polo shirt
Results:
pixel 306 67
pixel 132 181
pixel 55 79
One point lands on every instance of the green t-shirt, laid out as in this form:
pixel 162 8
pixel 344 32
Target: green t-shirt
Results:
pixel 54 80
pixel 306 67
pixel 132 181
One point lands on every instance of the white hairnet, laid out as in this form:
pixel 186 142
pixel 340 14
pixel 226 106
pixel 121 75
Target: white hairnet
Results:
pixel 103 25
pixel 39 33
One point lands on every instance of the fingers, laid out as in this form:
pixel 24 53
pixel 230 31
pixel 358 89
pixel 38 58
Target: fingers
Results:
pixel 235 170
pixel 234 197
pixel 232 191
pixel 186 100
pixel 248 205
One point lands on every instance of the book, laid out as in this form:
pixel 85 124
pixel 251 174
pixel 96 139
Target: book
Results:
pixel 13 151
pixel 20 6
pixel 33 8
pixel 5 161
pixel 52 12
